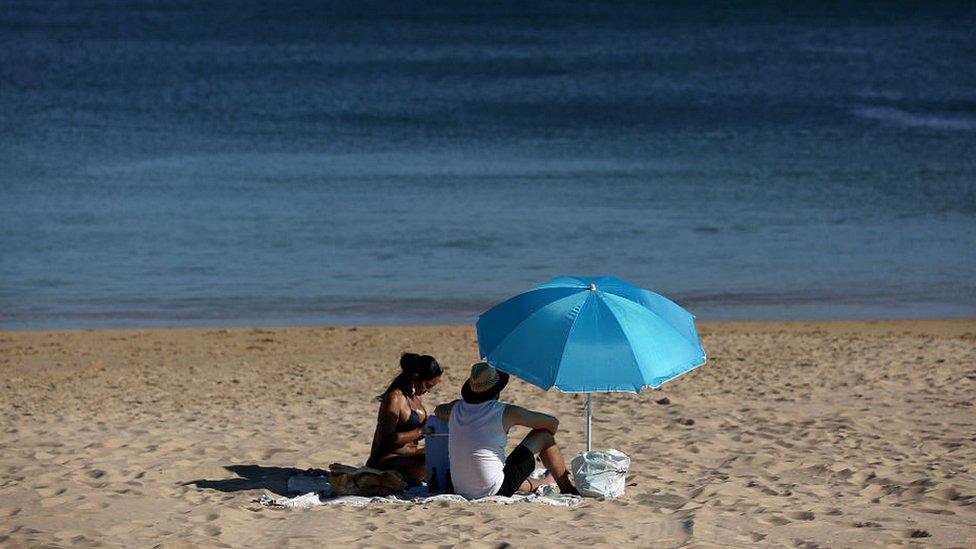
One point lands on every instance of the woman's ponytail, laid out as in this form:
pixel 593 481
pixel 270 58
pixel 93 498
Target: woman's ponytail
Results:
pixel 425 366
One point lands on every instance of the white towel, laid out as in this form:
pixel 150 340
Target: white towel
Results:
pixel 316 492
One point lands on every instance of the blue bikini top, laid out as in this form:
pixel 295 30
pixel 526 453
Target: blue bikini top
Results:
pixel 413 422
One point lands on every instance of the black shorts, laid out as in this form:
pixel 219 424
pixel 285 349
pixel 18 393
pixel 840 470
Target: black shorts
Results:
pixel 518 466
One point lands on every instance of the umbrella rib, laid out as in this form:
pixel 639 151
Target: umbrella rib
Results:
pixel 518 297
pixel 639 304
pixel 695 364
pixel 534 313
pixel 630 345
pixel 569 334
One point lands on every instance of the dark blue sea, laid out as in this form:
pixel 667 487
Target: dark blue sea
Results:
pixel 172 163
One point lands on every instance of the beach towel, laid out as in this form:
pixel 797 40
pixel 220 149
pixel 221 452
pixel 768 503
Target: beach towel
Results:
pixel 316 491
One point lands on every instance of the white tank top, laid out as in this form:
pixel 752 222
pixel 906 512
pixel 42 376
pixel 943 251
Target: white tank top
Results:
pixel 476 442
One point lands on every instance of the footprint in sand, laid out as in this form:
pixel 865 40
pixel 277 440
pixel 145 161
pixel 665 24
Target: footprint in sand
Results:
pixel 48 492
pixel 775 520
pixel 210 530
pixel 801 515
pixel 949 493
pixel 210 517
pixel 93 505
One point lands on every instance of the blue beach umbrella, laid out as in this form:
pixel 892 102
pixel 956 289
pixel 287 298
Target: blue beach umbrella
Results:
pixel 590 335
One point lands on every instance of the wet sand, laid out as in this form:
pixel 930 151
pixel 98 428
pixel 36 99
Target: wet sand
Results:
pixel 799 434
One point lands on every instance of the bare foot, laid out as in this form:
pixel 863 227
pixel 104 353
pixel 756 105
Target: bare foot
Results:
pixel 535 483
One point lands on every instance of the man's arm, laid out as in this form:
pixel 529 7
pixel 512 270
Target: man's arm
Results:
pixel 517 415
pixel 443 411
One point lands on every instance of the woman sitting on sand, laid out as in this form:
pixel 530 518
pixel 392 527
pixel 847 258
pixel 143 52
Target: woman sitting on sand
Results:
pixel 400 424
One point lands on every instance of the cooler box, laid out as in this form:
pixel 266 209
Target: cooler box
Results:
pixel 438 462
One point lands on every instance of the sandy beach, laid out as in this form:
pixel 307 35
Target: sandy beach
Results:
pixel 798 434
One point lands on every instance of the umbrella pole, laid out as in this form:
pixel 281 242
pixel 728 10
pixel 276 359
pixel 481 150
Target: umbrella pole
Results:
pixel 589 421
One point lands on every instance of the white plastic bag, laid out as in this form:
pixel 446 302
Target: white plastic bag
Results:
pixel 601 473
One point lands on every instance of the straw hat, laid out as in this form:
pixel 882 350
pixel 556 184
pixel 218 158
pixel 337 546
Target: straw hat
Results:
pixel 484 384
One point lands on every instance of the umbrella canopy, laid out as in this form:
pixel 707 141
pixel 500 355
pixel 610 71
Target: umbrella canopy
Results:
pixel 590 334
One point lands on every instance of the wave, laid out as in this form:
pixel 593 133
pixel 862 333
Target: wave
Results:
pixel 938 121
pixel 395 164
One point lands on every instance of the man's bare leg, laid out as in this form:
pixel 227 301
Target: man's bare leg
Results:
pixel 543 444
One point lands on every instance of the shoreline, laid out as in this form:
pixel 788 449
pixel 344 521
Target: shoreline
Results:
pixel 762 325
pixel 429 313
pixel 943 325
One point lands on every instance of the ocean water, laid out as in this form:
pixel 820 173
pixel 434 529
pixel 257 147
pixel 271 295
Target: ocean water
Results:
pixel 197 163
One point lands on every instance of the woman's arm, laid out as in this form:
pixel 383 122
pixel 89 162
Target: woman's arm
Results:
pixel 387 421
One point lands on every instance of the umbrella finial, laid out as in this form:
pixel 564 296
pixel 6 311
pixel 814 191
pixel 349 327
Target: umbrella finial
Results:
pixel 592 287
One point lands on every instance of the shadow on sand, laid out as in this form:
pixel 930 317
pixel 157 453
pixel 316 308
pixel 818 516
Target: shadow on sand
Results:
pixel 254 477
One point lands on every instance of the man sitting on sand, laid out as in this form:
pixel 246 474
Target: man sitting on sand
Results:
pixel 478 433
